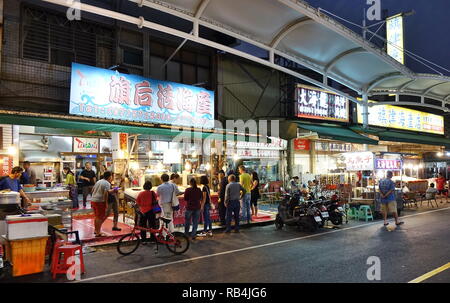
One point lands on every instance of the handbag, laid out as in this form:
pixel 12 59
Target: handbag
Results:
pixel 155 204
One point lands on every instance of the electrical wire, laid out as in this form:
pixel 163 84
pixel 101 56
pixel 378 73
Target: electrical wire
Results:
pixel 409 53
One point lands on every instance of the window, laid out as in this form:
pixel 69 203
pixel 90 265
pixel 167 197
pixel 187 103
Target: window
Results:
pixel 49 37
pixel 173 71
pixel 189 74
pixel 61 57
pixel 157 72
pixel 132 56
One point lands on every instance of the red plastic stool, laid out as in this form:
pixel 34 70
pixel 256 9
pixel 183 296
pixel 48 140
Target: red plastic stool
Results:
pixel 68 250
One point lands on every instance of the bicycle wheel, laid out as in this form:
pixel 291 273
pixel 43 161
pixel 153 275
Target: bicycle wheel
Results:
pixel 128 244
pixel 181 244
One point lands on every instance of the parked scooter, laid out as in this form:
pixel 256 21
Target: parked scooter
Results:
pixel 294 211
pixel 336 212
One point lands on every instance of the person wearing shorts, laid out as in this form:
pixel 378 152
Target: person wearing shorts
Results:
pixel 387 195
pixel 440 185
pixel 99 203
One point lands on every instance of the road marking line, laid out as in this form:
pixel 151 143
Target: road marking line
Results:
pixel 430 274
pixel 246 248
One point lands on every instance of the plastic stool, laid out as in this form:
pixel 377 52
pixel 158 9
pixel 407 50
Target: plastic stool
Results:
pixel 353 213
pixel 68 250
pixel 365 212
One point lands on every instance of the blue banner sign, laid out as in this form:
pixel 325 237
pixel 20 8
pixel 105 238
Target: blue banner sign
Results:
pixel 97 92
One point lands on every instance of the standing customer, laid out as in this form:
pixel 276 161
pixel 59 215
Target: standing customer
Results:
pixel 255 194
pixel 165 194
pixel 193 198
pixel 175 179
pixel 223 182
pixel 232 197
pixel 440 186
pixel 113 205
pixel 206 207
pixel 88 179
pixel 72 185
pixel 100 194
pixel 246 183
pixel 388 202
pixel 148 205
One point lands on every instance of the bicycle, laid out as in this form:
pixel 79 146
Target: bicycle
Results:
pixel 176 242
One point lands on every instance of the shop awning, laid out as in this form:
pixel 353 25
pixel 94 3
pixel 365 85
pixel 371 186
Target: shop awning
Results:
pixel 399 136
pixel 337 132
pixel 107 126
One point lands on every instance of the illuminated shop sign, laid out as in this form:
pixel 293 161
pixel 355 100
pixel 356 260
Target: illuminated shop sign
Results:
pixel 314 103
pixel 394 35
pixel 403 118
pixel 257 153
pixel 301 144
pixel 388 164
pixel 331 146
pixel 85 145
pixel 359 161
pixel 103 93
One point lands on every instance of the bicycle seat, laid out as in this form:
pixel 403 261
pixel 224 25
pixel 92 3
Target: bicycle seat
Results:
pixel 166 221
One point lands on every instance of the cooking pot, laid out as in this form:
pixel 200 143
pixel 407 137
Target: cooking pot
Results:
pixel 10 198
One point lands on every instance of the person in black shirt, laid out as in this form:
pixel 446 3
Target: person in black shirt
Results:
pixel 222 208
pixel 254 194
pixel 88 179
pixel 206 207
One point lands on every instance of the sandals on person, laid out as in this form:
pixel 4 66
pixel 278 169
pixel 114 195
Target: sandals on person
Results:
pixel 399 223
pixel 100 235
pixel 386 224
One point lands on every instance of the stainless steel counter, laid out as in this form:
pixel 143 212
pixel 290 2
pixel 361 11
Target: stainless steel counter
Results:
pixel 52 193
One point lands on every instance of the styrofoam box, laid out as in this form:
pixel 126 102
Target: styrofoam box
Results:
pixel 23 227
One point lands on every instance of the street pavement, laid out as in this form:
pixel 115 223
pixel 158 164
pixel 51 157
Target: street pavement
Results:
pixel 265 255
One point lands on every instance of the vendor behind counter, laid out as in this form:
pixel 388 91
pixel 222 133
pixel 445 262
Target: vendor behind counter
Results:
pixel 12 183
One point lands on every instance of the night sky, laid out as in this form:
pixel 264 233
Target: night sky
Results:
pixel 427 32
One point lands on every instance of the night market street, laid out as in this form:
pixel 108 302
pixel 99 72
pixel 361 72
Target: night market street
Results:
pixel 265 255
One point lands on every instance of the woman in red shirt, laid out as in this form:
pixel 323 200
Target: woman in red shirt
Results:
pixel 148 205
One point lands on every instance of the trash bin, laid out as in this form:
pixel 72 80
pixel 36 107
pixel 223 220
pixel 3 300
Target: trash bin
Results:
pixel 27 256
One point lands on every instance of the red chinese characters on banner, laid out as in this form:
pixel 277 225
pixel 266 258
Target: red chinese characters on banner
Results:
pixel 203 103
pixel 120 89
pixel 6 165
pixel 359 161
pixel 166 97
pixel 186 100
pixel 143 94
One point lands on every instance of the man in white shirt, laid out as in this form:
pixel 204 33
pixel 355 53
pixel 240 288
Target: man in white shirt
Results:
pixel 165 194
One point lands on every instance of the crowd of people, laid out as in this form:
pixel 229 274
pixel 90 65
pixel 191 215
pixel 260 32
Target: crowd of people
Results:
pixel 234 195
